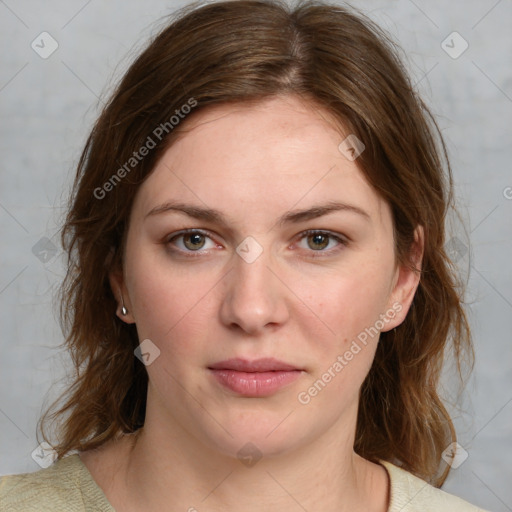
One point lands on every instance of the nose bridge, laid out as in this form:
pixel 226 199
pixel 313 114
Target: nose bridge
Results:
pixel 254 276
pixel 253 297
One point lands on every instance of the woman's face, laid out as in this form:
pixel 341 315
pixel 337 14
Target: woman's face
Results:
pixel 247 282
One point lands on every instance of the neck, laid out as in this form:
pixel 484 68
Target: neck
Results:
pixel 154 470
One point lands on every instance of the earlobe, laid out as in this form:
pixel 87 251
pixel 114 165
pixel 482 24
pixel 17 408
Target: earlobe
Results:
pixel 124 311
pixel 406 282
pixel 118 288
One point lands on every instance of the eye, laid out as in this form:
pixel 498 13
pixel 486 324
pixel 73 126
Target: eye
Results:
pixel 317 241
pixel 195 242
pixel 190 241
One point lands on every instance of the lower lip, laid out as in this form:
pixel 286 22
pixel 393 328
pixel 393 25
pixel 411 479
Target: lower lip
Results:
pixel 255 384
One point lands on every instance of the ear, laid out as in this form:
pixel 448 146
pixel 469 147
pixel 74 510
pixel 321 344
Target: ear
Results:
pixel 405 282
pixel 118 286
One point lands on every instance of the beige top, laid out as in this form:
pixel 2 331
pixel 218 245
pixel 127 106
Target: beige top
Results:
pixel 68 486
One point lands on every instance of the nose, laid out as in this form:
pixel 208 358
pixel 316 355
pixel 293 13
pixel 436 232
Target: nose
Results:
pixel 255 298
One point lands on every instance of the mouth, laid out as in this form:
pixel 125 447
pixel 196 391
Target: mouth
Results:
pixel 257 378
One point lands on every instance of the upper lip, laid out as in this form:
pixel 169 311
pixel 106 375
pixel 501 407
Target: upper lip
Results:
pixel 267 364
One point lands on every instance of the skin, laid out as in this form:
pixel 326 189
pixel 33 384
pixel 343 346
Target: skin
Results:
pixel 254 163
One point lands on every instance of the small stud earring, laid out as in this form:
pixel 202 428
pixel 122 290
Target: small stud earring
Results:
pixel 124 311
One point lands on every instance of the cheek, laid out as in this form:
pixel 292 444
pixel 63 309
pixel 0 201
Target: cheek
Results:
pixel 349 302
pixel 350 306
pixel 170 307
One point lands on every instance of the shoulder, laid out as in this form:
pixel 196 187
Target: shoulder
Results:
pixel 412 494
pixel 66 485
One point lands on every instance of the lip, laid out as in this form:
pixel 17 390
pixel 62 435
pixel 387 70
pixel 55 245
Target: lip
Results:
pixel 266 364
pixel 257 378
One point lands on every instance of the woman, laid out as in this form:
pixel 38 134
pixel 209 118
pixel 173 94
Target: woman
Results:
pixel 258 301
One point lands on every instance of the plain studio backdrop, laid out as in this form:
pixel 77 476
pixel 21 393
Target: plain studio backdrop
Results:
pixel 459 54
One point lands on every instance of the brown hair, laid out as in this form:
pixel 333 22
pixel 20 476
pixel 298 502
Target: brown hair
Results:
pixel 250 50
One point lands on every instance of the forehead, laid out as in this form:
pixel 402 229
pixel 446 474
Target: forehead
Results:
pixel 259 159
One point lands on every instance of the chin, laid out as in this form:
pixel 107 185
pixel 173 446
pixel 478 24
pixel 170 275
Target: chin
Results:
pixel 253 433
pixel 252 446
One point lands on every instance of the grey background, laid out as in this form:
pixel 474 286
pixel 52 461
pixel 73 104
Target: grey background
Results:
pixel 48 106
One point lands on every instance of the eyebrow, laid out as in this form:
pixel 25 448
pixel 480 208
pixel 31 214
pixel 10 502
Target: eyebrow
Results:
pixel 291 217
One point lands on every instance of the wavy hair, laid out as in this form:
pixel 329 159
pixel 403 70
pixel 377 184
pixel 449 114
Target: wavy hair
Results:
pixel 250 50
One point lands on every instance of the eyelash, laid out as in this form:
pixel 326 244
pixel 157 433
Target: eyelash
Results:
pixel 320 253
